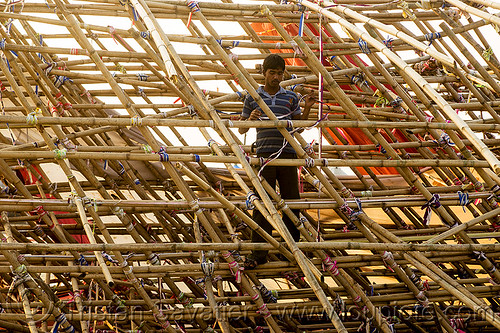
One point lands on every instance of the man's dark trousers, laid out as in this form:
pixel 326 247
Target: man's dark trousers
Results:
pixel 287 179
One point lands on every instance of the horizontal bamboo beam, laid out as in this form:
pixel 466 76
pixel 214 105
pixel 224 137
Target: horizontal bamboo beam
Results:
pixel 174 247
pixel 153 121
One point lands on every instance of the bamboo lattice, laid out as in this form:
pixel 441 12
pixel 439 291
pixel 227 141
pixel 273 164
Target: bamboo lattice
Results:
pixel 127 192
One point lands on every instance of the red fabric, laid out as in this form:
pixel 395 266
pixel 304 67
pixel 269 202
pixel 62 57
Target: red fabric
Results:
pixel 29 179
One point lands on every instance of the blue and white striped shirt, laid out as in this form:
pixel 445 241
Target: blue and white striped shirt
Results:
pixel 284 104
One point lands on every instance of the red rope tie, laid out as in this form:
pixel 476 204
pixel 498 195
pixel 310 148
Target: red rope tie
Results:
pixel 331 266
pixel 264 311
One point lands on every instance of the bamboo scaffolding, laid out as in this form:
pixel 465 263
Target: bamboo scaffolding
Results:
pixel 117 216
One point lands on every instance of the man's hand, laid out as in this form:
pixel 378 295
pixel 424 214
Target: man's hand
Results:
pixel 309 100
pixel 255 115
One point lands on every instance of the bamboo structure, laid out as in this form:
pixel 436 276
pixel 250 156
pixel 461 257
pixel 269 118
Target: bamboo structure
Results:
pixel 126 192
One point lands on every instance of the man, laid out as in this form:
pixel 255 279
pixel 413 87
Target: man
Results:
pixel 285 106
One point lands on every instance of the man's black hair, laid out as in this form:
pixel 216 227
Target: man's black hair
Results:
pixel 273 61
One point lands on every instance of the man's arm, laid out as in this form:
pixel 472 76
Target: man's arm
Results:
pixel 254 115
pixel 309 101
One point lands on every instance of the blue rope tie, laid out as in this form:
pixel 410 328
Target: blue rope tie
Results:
pixel 430 37
pixel 163 155
pixel 241 97
pixel 145 34
pixel 250 199
pixel 134 13
pixel 81 261
pixel 60 80
pixel 301 22
pixel 388 42
pixel 433 202
pixel 142 76
pixel 193 6
pixel 463 199
pixel 363 46
pixel 445 141
pixel 122 170
pixel 381 149
pixel 354 214
pixel 396 102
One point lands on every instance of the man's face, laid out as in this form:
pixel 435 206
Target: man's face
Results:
pixel 273 77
